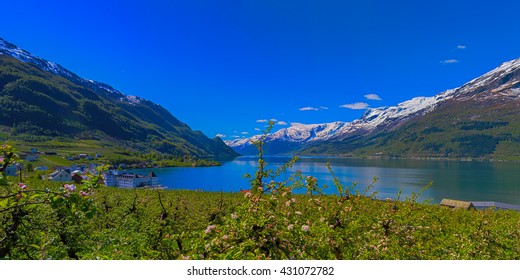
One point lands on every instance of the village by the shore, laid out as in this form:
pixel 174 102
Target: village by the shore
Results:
pixel 77 173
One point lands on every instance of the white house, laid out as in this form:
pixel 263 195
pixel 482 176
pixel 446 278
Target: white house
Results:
pixel 109 178
pixel 60 176
pixel 129 180
pixel 154 181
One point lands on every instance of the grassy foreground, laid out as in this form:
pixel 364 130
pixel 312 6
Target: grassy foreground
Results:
pixel 152 224
pixel 46 220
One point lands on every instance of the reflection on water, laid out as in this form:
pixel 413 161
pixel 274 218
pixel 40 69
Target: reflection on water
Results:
pixel 492 181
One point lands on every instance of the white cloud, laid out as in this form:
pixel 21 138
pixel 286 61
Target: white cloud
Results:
pixel 449 61
pixel 245 133
pixel 372 96
pixel 262 121
pixel 355 106
pixel 273 120
pixel 257 129
pixel 221 135
pixel 461 47
pixel 235 136
pixel 281 123
pixel 314 108
pixel 309 109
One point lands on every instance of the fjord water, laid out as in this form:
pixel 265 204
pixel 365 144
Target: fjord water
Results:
pixel 464 180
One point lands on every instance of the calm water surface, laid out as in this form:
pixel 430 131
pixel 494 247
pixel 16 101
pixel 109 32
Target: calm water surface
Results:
pixel 490 181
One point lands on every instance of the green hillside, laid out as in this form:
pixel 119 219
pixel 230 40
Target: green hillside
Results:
pixel 37 106
pixel 453 131
pixel 481 120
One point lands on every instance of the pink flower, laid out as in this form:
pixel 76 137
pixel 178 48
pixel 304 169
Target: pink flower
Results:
pixel 290 227
pixel 209 229
pixel 82 193
pixel 23 186
pixel 305 228
pixel 310 179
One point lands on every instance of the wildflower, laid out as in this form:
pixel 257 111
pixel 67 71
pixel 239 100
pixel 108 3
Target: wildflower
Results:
pixel 22 186
pixel 305 228
pixel 84 194
pixel 209 229
pixel 311 180
pixel 287 203
pixel 290 227
pixel 234 216
pixel 298 213
pixel 69 188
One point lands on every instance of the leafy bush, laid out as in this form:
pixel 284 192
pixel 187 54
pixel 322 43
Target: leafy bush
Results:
pixel 276 219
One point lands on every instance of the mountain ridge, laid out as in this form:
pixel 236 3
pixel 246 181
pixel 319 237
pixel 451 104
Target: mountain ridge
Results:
pixel 354 137
pixel 41 99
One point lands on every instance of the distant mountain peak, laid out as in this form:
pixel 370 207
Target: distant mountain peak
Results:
pixel 495 87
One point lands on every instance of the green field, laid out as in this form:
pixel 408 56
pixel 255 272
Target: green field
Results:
pixel 47 220
pixel 112 154
pixel 157 224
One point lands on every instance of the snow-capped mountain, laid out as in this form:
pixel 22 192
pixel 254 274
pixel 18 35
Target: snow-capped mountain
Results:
pixel 41 99
pixel 9 49
pixel 498 84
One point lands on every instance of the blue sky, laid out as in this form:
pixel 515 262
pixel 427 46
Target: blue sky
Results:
pixel 222 66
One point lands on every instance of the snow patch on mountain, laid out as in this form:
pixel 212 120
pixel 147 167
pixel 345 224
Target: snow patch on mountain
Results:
pixel 492 76
pixel 132 100
pixel 11 50
pixel 392 117
pixel 371 120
